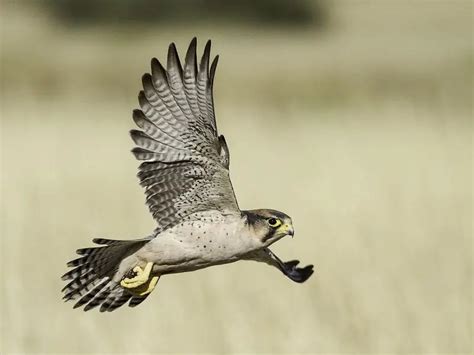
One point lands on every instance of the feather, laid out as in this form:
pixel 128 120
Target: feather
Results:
pixel 175 71
pixel 114 298
pixel 144 141
pixel 190 74
pixel 136 300
pixel 93 272
pixel 176 125
pixel 204 65
pixel 92 293
pixel 213 72
pixel 119 301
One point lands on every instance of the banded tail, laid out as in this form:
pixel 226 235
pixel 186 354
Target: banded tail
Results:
pixel 91 281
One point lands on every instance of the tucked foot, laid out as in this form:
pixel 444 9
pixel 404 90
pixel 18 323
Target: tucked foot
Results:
pixel 290 268
pixel 139 278
pixel 297 274
pixel 146 288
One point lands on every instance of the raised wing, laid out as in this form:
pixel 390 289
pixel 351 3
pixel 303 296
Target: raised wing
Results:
pixel 186 163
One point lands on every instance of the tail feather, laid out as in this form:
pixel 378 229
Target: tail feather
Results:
pixel 99 297
pixel 91 279
pixel 79 283
pixel 115 299
pixel 91 294
pixel 75 273
pixel 136 300
pixel 119 302
pixel 103 241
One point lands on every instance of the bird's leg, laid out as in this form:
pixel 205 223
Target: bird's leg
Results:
pixel 289 268
pixel 141 277
pixel 297 274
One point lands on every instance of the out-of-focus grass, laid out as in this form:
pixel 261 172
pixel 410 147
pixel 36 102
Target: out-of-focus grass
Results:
pixel 363 134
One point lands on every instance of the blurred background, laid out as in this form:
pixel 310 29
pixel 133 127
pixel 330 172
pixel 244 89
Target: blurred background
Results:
pixel 354 117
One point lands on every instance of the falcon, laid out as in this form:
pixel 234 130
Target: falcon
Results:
pixel 185 172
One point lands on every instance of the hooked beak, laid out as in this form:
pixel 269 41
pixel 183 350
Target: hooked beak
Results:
pixel 289 230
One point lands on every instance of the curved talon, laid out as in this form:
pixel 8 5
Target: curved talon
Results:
pixel 297 274
pixel 141 277
pixel 291 264
pixel 146 288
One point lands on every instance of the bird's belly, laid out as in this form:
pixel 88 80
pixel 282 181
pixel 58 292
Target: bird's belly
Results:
pixel 179 252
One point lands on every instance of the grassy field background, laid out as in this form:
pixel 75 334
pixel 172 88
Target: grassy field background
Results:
pixel 362 133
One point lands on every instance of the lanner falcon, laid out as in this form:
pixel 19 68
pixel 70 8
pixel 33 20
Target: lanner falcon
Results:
pixel 185 173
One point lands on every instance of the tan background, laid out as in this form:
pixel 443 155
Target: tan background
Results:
pixel 362 132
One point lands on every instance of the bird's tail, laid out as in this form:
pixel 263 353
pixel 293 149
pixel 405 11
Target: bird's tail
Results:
pixel 91 279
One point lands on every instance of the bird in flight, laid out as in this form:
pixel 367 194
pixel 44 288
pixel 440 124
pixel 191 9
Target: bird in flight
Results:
pixel 185 172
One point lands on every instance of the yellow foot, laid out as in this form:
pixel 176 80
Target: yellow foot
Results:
pixel 141 277
pixel 146 288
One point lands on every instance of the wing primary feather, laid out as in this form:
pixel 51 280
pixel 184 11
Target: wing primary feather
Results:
pixel 190 61
pixel 185 168
pixel 202 90
pixel 176 83
pixel 173 61
pixel 164 85
pixel 143 154
pixel 143 140
pixel 158 72
pixel 213 71
pixel 190 77
pixel 144 123
pixel 204 65
pixel 152 115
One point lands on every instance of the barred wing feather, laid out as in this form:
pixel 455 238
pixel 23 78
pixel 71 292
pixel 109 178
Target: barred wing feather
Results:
pixel 185 166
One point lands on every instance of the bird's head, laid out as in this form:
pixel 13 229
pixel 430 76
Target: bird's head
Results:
pixel 269 225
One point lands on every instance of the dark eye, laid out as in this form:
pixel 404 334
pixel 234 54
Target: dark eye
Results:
pixel 273 222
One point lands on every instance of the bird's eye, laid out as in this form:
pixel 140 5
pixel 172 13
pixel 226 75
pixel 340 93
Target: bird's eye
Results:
pixel 273 222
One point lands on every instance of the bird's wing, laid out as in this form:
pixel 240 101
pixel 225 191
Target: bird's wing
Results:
pixel 185 166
